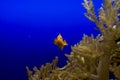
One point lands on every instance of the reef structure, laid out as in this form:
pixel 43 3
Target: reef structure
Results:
pixel 93 57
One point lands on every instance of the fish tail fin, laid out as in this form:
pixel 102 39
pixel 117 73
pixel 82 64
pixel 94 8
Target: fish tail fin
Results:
pixel 65 43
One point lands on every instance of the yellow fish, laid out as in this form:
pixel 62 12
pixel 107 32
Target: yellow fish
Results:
pixel 60 42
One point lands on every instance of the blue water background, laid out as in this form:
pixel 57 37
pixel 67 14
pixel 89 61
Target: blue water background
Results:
pixel 28 28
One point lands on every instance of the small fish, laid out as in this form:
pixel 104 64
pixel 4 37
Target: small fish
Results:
pixel 60 42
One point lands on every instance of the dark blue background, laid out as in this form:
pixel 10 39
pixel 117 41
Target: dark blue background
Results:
pixel 28 28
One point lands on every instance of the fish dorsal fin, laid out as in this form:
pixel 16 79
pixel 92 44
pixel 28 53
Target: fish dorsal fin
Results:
pixel 59 36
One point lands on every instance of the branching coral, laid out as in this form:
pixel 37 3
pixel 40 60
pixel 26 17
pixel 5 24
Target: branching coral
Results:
pixel 92 58
pixel 47 72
